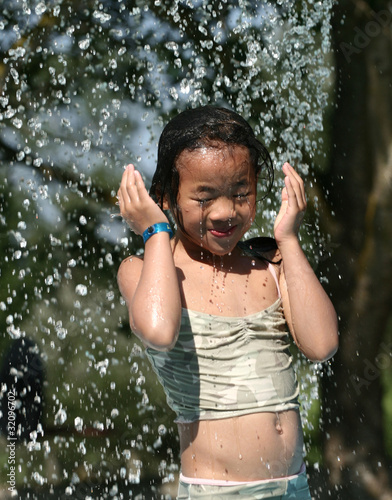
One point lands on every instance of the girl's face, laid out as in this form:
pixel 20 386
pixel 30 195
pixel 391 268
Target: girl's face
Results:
pixel 216 197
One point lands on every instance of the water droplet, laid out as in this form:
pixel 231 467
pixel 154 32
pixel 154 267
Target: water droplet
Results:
pixel 173 92
pixel 49 280
pixel 102 16
pixel 84 44
pixel 60 417
pixel 102 366
pixel 162 430
pixel 61 332
pixel 40 8
pixel 17 123
pixel 81 290
pixel 78 424
pixel 82 448
pixel 86 145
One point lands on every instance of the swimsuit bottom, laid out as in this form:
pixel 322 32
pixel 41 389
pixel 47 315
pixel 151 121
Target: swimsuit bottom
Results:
pixel 286 488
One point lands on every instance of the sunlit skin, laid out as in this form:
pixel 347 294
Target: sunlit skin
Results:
pixel 202 269
pixel 217 198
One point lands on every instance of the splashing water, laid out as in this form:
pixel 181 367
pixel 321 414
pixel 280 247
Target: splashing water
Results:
pixel 84 91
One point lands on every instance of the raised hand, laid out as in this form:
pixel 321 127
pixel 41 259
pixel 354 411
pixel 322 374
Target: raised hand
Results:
pixel 137 207
pixel 293 206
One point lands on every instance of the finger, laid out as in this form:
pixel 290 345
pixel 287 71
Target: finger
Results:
pixel 123 203
pixel 130 185
pixel 123 192
pixel 291 196
pixel 120 196
pixel 292 174
pixel 295 185
pixel 298 179
pixel 295 200
pixel 298 185
pixel 285 195
pixel 140 186
pixel 135 186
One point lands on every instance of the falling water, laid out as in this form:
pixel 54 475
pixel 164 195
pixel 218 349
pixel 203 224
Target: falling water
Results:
pixel 85 88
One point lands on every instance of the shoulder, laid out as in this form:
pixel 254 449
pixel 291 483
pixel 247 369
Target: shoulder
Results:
pixel 262 247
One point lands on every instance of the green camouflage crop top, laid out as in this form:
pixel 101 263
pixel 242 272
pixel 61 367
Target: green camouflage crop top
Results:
pixel 223 367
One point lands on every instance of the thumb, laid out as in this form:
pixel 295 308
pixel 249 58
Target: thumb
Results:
pixel 285 196
pixel 283 207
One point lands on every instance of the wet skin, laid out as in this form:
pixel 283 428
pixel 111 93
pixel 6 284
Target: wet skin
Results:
pixel 251 447
pixel 217 198
pixel 248 448
pixel 217 205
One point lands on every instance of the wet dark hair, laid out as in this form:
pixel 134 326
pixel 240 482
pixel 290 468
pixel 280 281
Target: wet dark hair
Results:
pixel 203 127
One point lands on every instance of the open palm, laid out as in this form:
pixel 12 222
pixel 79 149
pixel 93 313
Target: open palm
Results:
pixel 293 206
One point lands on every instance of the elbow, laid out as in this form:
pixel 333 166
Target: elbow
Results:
pixel 158 337
pixel 323 352
pixel 322 355
pixel 327 343
pixel 162 342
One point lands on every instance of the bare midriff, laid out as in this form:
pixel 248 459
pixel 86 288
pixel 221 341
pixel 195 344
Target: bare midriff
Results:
pixel 246 448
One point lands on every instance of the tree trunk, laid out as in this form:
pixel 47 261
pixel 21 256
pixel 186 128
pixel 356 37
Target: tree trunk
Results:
pixel 360 280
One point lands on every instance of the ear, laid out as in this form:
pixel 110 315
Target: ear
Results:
pixel 165 204
pixel 165 201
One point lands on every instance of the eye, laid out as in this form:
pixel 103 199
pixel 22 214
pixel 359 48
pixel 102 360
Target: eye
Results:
pixel 241 196
pixel 204 201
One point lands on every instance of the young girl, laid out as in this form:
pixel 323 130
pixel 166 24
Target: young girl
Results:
pixel 212 310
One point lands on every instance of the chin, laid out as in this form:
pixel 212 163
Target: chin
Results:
pixel 214 248
pixel 221 252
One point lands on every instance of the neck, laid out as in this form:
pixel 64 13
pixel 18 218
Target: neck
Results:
pixel 204 256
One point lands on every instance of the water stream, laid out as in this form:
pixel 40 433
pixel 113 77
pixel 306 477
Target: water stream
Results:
pixel 85 88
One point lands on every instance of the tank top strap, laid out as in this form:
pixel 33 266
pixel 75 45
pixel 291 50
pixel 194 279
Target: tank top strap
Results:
pixel 273 272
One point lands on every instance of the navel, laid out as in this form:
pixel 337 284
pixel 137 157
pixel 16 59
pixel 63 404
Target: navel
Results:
pixel 278 424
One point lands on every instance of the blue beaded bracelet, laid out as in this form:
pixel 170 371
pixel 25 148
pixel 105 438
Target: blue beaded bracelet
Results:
pixel 157 228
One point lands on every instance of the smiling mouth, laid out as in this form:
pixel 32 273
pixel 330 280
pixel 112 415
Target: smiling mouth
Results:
pixel 223 233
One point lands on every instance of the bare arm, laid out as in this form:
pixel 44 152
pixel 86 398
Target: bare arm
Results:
pixel 149 286
pixel 308 310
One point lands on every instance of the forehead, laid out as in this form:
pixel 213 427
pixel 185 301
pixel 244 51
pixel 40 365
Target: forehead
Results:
pixel 216 164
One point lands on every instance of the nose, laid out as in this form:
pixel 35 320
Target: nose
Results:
pixel 223 209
